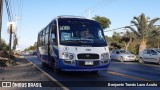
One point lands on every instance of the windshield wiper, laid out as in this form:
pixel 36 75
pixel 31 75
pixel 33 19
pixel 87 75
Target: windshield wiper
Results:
pixel 87 40
pixel 71 41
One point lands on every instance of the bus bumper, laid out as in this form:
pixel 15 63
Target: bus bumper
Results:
pixel 79 65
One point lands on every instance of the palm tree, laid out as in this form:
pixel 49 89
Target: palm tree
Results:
pixel 143 29
pixel 154 39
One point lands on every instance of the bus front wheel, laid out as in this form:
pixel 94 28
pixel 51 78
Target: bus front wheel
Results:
pixel 44 64
pixel 56 69
pixel 94 72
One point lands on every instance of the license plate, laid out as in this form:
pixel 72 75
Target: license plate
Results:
pixel 88 63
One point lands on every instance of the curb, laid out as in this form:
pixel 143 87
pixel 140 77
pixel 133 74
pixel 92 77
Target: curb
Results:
pixel 61 85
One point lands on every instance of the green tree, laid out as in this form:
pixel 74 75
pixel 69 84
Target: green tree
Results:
pixel 34 47
pixel 154 39
pixel 127 39
pixel 3 46
pixel 143 29
pixel 104 22
pixel 115 41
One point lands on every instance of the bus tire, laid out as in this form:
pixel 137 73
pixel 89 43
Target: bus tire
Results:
pixel 44 64
pixel 94 72
pixel 56 70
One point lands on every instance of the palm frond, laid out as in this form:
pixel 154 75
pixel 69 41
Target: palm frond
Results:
pixel 135 23
pixel 153 21
pixel 134 31
pixel 137 19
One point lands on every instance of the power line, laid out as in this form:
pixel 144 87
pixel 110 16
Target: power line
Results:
pixel 125 27
pixel 98 6
pixel 105 4
pixel 117 28
pixel 9 10
pixel 99 3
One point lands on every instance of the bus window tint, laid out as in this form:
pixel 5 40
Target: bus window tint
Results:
pixel 79 32
pixel 54 34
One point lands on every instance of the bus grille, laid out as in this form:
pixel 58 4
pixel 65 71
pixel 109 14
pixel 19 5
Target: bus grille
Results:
pixel 88 56
pixel 82 63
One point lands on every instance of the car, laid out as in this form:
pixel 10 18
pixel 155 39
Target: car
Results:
pixel 122 55
pixel 34 53
pixel 149 55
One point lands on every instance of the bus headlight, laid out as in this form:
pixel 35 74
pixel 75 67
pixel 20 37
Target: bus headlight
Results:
pixel 69 56
pixel 104 56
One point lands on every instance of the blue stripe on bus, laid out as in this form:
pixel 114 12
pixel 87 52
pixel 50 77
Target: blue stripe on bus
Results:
pixel 44 57
pixel 66 67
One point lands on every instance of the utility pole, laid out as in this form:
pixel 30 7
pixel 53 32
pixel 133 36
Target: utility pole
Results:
pixel 1 12
pixel 15 34
pixel 10 43
pixel 11 30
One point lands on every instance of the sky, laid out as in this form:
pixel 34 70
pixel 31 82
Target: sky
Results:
pixel 36 14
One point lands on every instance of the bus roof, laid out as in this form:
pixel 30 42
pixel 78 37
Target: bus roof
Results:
pixel 70 16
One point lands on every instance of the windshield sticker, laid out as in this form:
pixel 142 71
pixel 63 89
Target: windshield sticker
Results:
pixel 64 27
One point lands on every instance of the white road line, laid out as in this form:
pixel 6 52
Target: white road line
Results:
pixel 53 79
pixel 152 64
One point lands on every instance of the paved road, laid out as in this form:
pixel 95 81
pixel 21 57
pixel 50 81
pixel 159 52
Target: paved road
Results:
pixel 117 71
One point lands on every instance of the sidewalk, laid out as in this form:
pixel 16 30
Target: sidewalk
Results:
pixel 24 71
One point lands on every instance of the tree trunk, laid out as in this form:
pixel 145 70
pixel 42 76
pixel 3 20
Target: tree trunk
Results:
pixel 127 44
pixel 143 45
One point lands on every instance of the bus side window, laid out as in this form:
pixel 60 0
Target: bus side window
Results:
pixel 41 38
pixel 44 33
pixel 46 36
pixel 54 34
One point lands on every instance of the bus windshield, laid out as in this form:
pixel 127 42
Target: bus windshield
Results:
pixel 80 32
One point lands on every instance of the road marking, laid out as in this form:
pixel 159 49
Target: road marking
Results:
pixel 152 64
pixel 125 62
pixel 124 75
pixel 53 79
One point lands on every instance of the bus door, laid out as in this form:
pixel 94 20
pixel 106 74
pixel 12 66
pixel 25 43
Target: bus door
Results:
pixel 53 51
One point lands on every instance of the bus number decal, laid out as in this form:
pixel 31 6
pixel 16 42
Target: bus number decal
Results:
pixel 64 27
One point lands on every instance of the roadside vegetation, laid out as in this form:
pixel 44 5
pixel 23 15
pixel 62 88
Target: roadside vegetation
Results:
pixel 4 61
pixel 143 33
pixel 31 48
